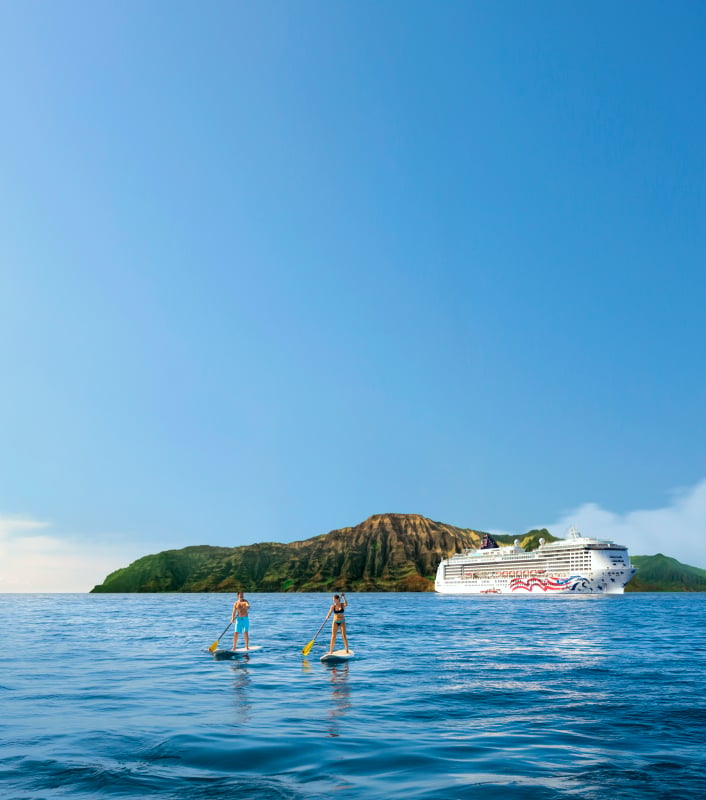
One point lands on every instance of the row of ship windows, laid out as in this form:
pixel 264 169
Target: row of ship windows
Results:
pixel 492 576
pixel 493 568
pixel 533 556
pixel 510 573
pixel 494 579
pixel 513 561
pixel 554 563
pixel 527 557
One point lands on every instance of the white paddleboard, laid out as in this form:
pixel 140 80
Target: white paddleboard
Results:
pixel 337 655
pixel 241 651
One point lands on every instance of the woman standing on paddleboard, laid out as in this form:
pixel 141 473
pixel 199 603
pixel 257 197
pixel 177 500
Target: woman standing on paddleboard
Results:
pixel 242 620
pixel 339 621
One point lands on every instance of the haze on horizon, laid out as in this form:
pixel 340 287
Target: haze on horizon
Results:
pixel 267 270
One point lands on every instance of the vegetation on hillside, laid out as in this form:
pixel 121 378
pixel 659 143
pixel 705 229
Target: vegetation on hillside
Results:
pixel 387 552
pixel 529 541
pixel 661 573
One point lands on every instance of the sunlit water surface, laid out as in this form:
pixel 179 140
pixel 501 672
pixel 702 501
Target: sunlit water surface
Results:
pixel 107 696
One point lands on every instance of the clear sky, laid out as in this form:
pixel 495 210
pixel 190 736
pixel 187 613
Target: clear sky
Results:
pixel 267 269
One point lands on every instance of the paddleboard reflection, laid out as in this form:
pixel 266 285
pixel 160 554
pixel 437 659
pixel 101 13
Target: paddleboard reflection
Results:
pixel 340 696
pixel 242 683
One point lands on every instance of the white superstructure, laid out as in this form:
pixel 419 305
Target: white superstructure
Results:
pixel 575 565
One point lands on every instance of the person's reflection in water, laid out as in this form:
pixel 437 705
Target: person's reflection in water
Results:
pixel 241 686
pixel 340 696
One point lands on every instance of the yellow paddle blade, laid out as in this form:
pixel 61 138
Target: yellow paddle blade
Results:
pixel 213 647
pixel 307 648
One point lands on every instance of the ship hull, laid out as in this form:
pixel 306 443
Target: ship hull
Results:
pixel 536 585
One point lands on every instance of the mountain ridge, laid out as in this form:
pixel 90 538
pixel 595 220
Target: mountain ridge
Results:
pixel 385 552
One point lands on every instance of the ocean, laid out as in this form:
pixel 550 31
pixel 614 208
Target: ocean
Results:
pixel 116 696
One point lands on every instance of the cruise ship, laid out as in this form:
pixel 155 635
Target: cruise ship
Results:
pixel 575 565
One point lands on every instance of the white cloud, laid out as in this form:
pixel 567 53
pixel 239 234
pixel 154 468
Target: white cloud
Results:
pixel 33 559
pixel 16 526
pixel 679 530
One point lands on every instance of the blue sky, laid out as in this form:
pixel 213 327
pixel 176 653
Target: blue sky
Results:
pixel 267 269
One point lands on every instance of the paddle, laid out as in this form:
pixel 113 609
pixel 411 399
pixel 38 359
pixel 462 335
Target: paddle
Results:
pixel 215 644
pixel 307 647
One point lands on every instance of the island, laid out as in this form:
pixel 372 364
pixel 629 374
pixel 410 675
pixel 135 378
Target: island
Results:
pixel 384 553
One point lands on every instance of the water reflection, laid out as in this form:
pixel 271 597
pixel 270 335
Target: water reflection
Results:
pixel 340 696
pixel 242 683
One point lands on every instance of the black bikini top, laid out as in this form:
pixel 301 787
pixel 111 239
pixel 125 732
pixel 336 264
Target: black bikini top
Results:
pixel 338 610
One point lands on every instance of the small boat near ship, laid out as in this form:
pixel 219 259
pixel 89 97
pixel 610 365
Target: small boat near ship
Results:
pixel 575 565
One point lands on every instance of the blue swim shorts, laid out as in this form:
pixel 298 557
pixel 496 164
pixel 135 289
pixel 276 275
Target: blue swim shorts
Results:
pixel 242 624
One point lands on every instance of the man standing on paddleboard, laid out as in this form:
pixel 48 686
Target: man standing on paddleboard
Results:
pixel 339 621
pixel 242 620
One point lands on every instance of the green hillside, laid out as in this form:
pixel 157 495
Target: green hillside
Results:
pixel 661 573
pixel 387 552
pixel 529 541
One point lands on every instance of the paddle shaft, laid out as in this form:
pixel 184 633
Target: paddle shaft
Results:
pixel 226 628
pixel 320 629
pixel 215 644
pixel 307 647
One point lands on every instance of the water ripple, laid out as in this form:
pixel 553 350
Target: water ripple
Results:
pixel 450 698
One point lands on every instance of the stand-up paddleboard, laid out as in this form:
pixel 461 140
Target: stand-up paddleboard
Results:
pixel 241 651
pixel 336 656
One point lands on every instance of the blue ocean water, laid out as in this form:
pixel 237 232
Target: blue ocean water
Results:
pixel 106 696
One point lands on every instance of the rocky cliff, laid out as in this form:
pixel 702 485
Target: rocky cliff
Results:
pixel 387 552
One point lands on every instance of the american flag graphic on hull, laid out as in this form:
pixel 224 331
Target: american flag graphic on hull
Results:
pixel 572 584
